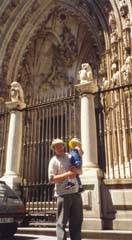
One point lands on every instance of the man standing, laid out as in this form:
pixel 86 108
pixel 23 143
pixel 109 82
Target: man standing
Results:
pixel 69 201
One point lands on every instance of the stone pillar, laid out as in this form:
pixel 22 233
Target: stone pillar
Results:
pixel 91 177
pixel 14 144
pixel 88 131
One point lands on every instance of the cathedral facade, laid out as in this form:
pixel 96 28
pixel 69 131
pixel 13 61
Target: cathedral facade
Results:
pixel 66 70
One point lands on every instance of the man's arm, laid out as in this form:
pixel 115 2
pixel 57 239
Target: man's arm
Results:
pixel 61 177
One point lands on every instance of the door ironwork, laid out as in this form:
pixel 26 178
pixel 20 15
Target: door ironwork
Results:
pixel 45 119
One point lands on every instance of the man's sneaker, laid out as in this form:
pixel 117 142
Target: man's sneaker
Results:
pixel 81 189
pixel 69 185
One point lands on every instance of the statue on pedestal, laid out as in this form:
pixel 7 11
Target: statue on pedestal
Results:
pixel 16 92
pixel 16 97
pixel 85 74
pixel 126 71
pixel 115 77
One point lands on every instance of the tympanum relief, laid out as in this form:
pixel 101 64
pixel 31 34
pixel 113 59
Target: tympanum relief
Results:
pixel 51 53
pixel 55 53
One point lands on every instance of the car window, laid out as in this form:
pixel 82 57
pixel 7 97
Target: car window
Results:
pixel 6 192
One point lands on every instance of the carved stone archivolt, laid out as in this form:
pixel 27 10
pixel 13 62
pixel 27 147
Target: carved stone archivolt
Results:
pixel 71 40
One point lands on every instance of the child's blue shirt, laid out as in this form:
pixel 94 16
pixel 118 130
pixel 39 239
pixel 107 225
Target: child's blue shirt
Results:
pixel 76 160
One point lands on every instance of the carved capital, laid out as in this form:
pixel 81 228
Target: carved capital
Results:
pixel 17 105
pixel 87 88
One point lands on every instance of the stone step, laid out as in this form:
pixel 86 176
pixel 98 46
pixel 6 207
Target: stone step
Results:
pixel 87 234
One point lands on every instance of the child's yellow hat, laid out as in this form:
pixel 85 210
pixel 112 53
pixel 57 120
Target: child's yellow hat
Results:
pixel 74 142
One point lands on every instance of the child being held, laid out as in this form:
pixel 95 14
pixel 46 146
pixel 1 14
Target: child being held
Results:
pixel 76 153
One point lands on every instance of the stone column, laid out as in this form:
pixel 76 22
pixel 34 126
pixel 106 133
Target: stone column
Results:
pixel 91 177
pixel 88 131
pixel 14 144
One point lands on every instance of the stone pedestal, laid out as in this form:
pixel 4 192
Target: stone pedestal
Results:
pixel 14 144
pixel 92 175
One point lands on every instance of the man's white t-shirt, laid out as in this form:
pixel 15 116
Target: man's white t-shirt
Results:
pixel 59 165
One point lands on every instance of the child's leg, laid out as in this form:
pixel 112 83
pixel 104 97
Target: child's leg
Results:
pixel 78 180
pixel 81 189
pixel 69 184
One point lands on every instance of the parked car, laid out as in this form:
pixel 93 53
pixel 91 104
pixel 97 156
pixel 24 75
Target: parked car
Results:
pixel 12 210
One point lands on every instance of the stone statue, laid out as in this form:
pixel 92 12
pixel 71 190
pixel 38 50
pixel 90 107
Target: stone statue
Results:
pixel 105 83
pixel 123 74
pixel 16 92
pixel 112 21
pixel 126 70
pixel 123 8
pixel 127 33
pixel 114 37
pixel 128 64
pixel 85 74
pixel 115 78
